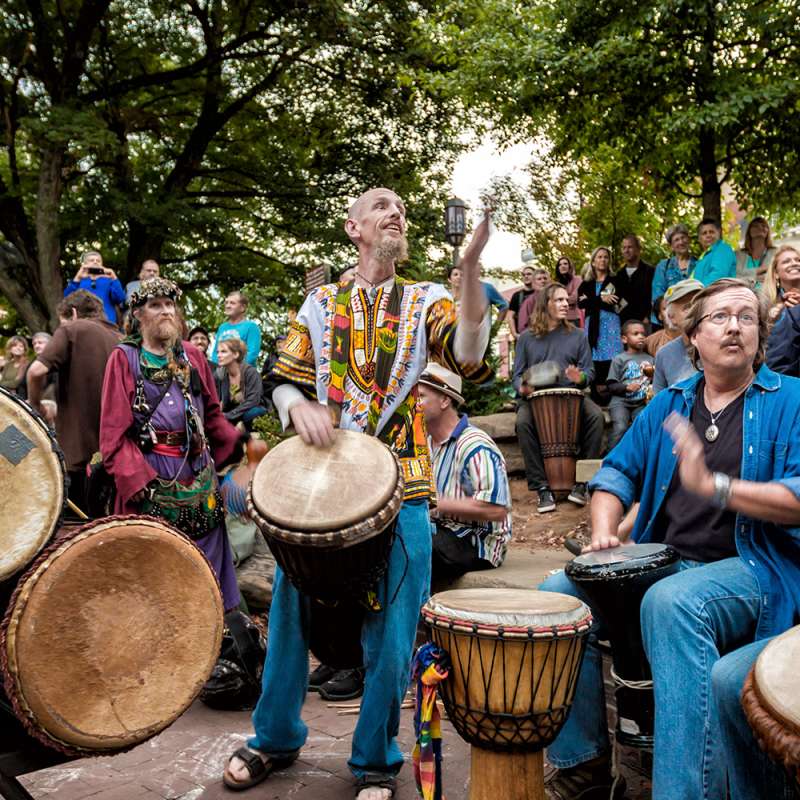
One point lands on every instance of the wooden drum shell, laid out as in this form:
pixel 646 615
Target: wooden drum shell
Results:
pixel 347 559
pixel 557 416
pixel 539 675
pixel 510 687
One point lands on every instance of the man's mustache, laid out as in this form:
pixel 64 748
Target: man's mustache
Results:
pixel 729 340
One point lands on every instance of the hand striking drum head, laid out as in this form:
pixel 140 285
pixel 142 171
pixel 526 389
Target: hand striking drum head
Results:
pixel 31 485
pixel 110 635
pixel 306 488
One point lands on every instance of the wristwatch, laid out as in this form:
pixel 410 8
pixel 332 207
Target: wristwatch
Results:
pixel 722 489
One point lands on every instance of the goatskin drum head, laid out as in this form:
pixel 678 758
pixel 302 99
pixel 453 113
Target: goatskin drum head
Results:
pixel 519 608
pixel 776 678
pixel 627 559
pixel 305 488
pixel 111 635
pixel 31 485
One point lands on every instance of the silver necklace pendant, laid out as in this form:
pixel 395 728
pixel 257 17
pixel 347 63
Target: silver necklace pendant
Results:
pixel 712 432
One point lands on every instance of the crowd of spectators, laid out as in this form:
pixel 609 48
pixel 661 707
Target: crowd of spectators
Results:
pixel 630 318
pixel 633 320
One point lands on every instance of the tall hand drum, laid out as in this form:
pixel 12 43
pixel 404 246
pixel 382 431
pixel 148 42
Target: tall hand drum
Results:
pixel 771 700
pixel 615 581
pixel 32 480
pixel 329 515
pixel 557 414
pixel 110 635
pixel 515 659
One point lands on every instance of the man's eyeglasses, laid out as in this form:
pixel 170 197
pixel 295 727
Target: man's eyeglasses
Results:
pixel 745 318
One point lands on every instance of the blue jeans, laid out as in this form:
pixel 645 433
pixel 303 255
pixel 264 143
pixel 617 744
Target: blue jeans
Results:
pixel 752 775
pixel 388 642
pixel 688 621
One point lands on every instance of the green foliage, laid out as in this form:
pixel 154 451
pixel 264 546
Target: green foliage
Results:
pixel 268 427
pixel 687 95
pixel 488 399
pixel 224 139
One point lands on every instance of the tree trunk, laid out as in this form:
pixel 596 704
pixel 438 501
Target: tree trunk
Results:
pixel 711 187
pixel 15 284
pixel 48 244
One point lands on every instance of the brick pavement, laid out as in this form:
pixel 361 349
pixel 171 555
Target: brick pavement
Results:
pixel 186 761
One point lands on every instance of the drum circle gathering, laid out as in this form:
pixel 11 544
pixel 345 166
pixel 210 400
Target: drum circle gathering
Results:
pixel 686 593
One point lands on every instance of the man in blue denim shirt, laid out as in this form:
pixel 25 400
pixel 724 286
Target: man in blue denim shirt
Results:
pixel 703 627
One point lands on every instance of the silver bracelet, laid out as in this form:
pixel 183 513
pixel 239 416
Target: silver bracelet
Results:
pixel 722 489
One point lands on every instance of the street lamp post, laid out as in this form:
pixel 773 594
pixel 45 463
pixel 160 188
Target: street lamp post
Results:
pixel 455 224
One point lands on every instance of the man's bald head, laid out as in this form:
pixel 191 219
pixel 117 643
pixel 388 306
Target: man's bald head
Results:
pixel 376 224
pixel 356 211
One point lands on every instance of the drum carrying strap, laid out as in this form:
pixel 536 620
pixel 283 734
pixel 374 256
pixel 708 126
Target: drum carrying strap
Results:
pixel 386 338
pixel 430 667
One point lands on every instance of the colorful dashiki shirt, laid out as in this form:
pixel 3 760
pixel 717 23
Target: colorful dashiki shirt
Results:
pixel 425 329
pixel 469 464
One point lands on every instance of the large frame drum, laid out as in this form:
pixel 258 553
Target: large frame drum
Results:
pixel 615 581
pixel 32 480
pixel 771 701
pixel 515 659
pixel 557 414
pixel 110 635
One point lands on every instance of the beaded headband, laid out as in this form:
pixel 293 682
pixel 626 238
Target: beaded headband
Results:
pixel 154 287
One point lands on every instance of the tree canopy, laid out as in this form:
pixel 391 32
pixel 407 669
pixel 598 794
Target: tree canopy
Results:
pixel 691 94
pixel 220 137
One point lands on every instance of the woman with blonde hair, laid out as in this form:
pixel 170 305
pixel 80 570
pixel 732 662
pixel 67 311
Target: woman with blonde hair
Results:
pixel 754 258
pixel 781 285
pixel 238 384
pixel 16 366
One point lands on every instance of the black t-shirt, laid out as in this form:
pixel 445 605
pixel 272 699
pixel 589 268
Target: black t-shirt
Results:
pixel 518 298
pixel 697 528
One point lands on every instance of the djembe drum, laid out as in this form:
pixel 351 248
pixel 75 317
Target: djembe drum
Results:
pixel 515 659
pixel 32 479
pixel 615 581
pixel 771 701
pixel 557 414
pixel 110 635
pixel 329 515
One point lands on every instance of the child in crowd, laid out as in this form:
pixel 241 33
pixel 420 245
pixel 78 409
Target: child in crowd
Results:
pixel 626 381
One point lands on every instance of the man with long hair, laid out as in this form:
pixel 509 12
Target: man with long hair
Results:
pixel 551 340
pixel 162 430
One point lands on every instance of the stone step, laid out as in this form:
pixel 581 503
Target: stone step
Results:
pixel 521 569
pixel 498 426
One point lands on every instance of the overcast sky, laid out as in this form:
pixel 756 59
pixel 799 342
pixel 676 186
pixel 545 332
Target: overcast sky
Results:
pixel 472 173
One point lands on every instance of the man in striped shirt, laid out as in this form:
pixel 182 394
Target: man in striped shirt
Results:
pixel 472 521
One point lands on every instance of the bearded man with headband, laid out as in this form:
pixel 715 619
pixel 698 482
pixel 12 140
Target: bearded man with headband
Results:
pixel 364 379
pixel 162 429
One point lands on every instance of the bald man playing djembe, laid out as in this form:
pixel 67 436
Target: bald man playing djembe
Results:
pixel 324 385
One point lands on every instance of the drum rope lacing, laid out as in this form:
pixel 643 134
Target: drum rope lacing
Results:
pixel 504 730
pixel 636 685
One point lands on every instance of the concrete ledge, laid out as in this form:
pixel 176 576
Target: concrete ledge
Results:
pixel 498 426
pixel 521 570
pixel 586 468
